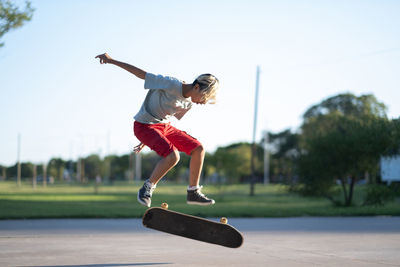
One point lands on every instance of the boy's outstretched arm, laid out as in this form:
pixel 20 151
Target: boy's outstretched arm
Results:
pixel 105 58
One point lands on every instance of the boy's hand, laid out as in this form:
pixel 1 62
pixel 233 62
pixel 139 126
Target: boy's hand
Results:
pixel 104 58
pixel 138 148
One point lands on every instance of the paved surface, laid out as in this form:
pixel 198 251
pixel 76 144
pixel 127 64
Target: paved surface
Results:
pixel 268 242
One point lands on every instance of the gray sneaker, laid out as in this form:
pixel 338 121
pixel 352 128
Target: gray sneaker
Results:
pixel 145 193
pixel 195 197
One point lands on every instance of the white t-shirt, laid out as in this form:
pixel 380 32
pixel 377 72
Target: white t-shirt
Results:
pixel 163 100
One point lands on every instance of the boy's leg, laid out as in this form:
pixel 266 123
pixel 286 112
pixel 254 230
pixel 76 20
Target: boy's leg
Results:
pixel 191 146
pixel 163 166
pixel 196 165
pixel 153 136
pixel 194 195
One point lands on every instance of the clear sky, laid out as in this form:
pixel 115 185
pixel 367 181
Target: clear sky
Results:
pixel 65 104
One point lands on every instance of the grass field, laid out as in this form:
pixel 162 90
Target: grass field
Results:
pixel 119 201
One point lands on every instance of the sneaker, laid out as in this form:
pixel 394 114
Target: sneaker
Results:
pixel 195 197
pixel 145 193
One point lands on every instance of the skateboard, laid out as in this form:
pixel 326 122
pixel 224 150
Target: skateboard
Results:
pixel 176 223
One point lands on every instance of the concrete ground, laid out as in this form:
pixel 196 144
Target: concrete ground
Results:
pixel 306 241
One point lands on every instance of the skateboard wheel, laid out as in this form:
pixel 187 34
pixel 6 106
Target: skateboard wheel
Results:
pixel 224 220
pixel 164 205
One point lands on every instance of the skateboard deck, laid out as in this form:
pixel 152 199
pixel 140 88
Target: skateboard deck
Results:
pixel 193 227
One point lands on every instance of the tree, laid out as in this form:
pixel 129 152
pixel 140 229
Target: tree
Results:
pixel 56 168
pixel 92 166
pixel 119 166
pixel 149 160
pixel 348 105
pixel 284 152
pixel 11 17
pixel 343 138
pixel 11 172
pixel 233 161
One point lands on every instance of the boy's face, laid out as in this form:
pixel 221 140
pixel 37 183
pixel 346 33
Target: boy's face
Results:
pixel 198 96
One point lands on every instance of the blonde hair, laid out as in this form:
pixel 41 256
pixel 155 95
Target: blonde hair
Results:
pixel 209 85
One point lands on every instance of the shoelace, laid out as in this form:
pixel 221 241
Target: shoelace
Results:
pixel 149 190
pixel 198 192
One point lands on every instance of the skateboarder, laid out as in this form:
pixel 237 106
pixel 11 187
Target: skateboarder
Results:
pixel 167 97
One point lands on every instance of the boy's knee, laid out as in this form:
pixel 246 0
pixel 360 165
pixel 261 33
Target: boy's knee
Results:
pixel 173 157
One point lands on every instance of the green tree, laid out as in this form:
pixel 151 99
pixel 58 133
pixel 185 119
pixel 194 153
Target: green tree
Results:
pixel 149 161
pixel 342 139
pixel 3 172
pixel 92 166
pixel 26 170
pixel 209 166
pixel 118 166
pixel 284 151
pixel 233 161
pixel 348 105
pixel 55 168
pixel 12 17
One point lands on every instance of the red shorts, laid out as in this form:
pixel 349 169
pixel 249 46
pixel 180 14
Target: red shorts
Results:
pixel 164 138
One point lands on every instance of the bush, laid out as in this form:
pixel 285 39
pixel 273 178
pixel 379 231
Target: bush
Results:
pixel 378 195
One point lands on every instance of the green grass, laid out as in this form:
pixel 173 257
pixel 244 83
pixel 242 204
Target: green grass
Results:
pixel 119 201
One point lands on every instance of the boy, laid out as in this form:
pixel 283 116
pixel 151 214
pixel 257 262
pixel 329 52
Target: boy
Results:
pixel 169 97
